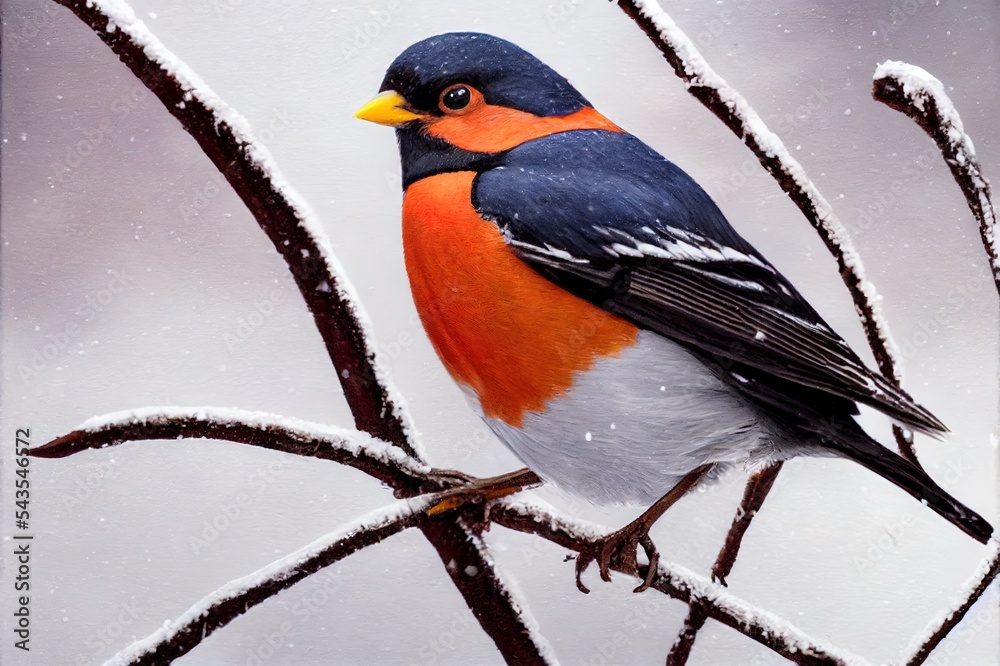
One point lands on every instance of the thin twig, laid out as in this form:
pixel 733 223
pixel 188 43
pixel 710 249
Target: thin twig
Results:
pixel 754 494
pixel 939 628
pixel 682 584
pixel 214 611
pixel 915 92
pixel 733 109
pixel 385 462
pixel 918 94
pixel 225 138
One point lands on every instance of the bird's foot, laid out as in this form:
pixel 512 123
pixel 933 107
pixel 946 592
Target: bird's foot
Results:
pixel 484 491
pixel 619 550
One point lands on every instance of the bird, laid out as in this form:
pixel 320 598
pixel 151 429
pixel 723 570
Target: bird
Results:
pixel 599 311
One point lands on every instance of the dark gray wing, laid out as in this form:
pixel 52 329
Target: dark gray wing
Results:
pixel 612 221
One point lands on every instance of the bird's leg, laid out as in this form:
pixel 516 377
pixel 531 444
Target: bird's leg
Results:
pixel 484 490
pixel 620 547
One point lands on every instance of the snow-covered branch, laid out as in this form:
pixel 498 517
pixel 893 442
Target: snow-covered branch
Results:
pixel 384 461
pixel 937 629
pixel 178 637
pixel 682 584
pixel 754 494
pixel 227 140
pixel 915 92
pixel 733 109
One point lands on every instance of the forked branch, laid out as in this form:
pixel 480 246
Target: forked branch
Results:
pixel 226 139
pixel 390 454
pixel 754 494
pixel 682 584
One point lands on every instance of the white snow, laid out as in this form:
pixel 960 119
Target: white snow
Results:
pixel 276 571
pixel 920 87
pixel 683 578
pixel 961 596
pixel 122 17
pixel 701 74
pixel 514 597
pixel 355 442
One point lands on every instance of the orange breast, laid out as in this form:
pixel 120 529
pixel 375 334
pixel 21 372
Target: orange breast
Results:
pixel 500 328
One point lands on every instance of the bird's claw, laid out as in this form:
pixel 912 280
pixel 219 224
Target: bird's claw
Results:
pixel 619 550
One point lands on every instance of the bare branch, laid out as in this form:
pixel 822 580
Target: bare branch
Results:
pixel 754 494
pixel 217 609
pixel 733 109
pixel 386 462
pixel 918 94
pixel 682 584
pixel 226 139
pixel 922 646
pixel 737 114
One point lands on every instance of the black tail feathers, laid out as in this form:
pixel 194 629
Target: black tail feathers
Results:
pixel 915 481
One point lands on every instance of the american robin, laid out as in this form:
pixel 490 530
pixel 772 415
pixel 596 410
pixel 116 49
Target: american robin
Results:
pixel 598 309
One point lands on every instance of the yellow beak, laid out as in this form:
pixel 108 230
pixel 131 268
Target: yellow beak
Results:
pixel 387 108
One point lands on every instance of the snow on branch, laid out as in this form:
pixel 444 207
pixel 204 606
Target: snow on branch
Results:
pixel 754 494
pixel 733 109
pixel 386 462
pixel 226 138
pixel 680 583
pixel 178 637
pixel 915 92
pixel 937 629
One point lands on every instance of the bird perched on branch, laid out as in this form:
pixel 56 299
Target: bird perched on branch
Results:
pixel 596 306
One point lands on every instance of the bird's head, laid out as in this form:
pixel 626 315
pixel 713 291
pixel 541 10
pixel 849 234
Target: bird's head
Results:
pixel 476 93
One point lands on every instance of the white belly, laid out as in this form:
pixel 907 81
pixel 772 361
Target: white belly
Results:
pixel 633 426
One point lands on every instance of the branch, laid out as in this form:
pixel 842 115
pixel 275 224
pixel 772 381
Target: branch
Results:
pixel 922 646
pixel 226 139
pixel 915 92
pixel 733 109
pixel 754 494
pixel 681 584
pixel 217 609
pixel 918 94
pixel 386 462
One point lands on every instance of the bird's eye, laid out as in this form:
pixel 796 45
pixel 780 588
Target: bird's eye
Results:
pixel 455 98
